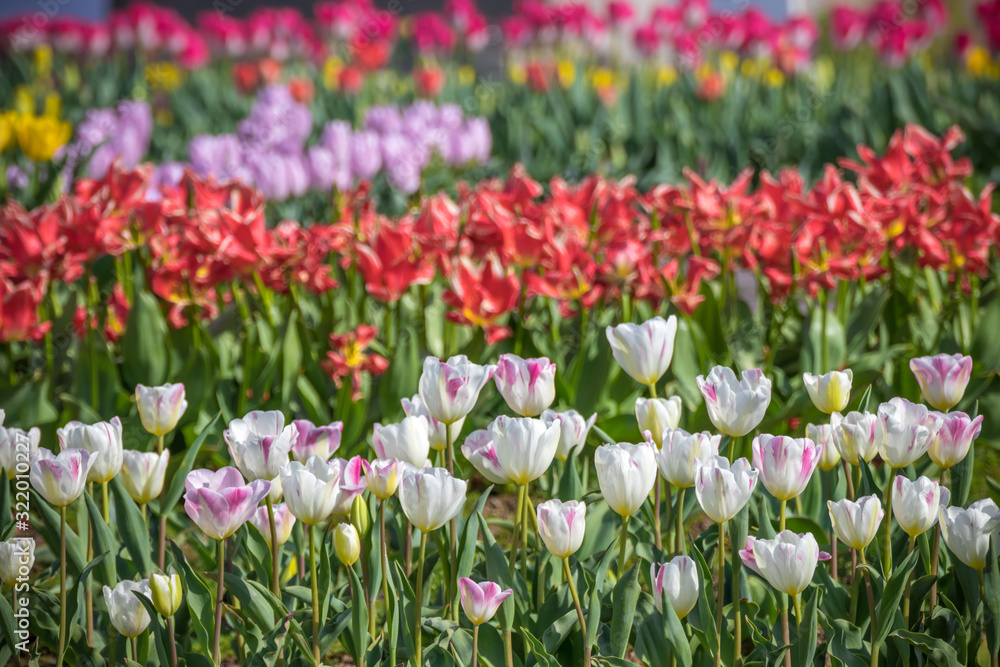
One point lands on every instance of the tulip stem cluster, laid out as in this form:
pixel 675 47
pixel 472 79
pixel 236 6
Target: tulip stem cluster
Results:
pixel 219 592
pixel 579 610
pixel 314 581
pixel 62 585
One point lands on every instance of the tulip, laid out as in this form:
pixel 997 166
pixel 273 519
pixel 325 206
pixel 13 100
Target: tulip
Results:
pixel 167 593
pixel 312 490
pixel 657 415
pixel 60 480
pixel 677 581
pixel 967 532
pixel 830 392
pixel 954 439
pixel 676 461
pixel 644 350
pixel 524 446
pixel 573 430
pixel 787 562
pixel 382 477
pixel 822 435
pixel 346 543
pixel 480 602
pixel 915 505
pixel 143 474
pixel 856 522
pixel 284 520
pixel 160 408
pixel 561 526
pixel 449 389
pixel 15 443
pixel 785 466
pixel 128 614
pixel 352 484
pixel 723 489
pixel 439 433
pixel 942 378
pixel 259 444
pixel 311 440
pixel 735 407
pixel 430 497
pixel 858 436
pixel 626 474
pixel 17 557
pixel 482 454
pixel 406 441
pixel 528 385
pixel 103 438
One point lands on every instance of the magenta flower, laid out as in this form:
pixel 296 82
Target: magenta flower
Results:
pixel 785 464
pixel 220 502
pixel 528 385
pixel 481 601
pixel 942 378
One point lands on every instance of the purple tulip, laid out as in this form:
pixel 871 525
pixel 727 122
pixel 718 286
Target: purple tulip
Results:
pixel 220 502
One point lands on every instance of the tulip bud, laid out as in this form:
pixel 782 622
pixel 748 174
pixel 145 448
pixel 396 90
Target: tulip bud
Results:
pixel 910 429
pixel 644 351
pixel 17 557
pixel 735 407
pixel 830 392
pixel 561 526
pixel 128 614
pixel 942 378
pixel 787 562
pixel 573 430
pixel 785 464
pixel 160 408
pixel 857 436
pixel 915 505
pixel 346 543
pixel 143 473
pixel 360 516
pixel 822 435
pixel 678 582
pixel 656 415
pixel 481 601
pixel 382 477
pixel 680 452
pixel 626 474
pixel 528 385
pixel 723 489
pixel 168 593
pixel 954 439
pixel 856 522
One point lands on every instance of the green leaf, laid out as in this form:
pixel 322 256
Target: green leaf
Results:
pixel 991 586
pixel 961 479
pixel 159 631
pixel 674 633
pixel 892 594
pixel 256 607
pixel 144 346
pixel 132 529
pixel 176 487
pixel 359 619
pixel 804 648
pixel 570 485
pixel 624 597
pixel 938 651
pixel 8 621
pixel 542 656
pixel 470 536
pixel 198 598
pixel 594 603
pixel 104 541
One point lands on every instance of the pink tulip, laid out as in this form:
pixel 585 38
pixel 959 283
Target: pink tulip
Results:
pixel 311 440
pixel 60 479
pixel 942 378
pixel 785 464
pixel 954 439
pixel 283 522
pixel 220 502
pixel 528 385
pixel 352 483
pixel 481 601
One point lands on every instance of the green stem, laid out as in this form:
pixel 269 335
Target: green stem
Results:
pixel 737 613
pixel 106 507
pixel 935 552
pixel 781 516
pixel 475 646
pixel 508 650
pixel 524 536
pixel 385 580
pixel 517 533
pixel 679 520
pixel 887 551
pixel 62 586
pixel 733 440
pixel 88 591
pixel 161 555
pixel 823 344
pixel 871 606
pixel 720 589
pixel 173 642
pixel 219 592
pixel 275 549
pixel 623 547
pixel 314 581
pixel 579 611
pixel 452 536
pixel 418 640
pixel 855 581
pixel 906 593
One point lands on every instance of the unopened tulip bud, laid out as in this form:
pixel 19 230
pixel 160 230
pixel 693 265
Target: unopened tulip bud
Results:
pixel 168 593
pixel 360 516
pixel 160 408
pixel 915 505
pixel 830 392
pixel 856 522
pixel 346 543
pixel 382 477
pixel 644 351
pixel 561 526
pixel 656 415
pixel 942 378
pixel 857 436
pixel 284 520
pixel 143 473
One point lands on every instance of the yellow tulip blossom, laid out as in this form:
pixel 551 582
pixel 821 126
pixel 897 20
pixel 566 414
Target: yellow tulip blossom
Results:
pixel 467 75
pixel 7 133
pixel 41 136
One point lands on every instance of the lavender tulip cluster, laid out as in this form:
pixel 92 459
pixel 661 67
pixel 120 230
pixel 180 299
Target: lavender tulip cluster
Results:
pixel 104 135
pixel 269 149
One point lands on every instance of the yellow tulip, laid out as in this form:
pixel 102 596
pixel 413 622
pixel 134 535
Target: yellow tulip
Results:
pixel 40 137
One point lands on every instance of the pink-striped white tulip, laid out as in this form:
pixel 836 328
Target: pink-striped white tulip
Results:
pixel 626 474
pixel 431 497
pixel 352 483
pixel 678 582
pixel 439 433
pixel 723 489
pixel 283 522
pixel 787 562
pixel 60 479
pixel 656 415
pixel 17 449
pixel 160 408
pixel 449 389
pixel 856 522
pixel 259 443
pixel 528 385
pixel 785 464
pixel 561 526
pixel 143 474
pixel 382 477
pixel 525 447
pixel 127 613
pixel 968 532
pixel 312 489
pixel 481 601
pixel 942 378
pixel 482 454
pixel 735 406
pixel 822 435
pixel 857 436
pixel 409 440
pixel 103 438
pixel 573 430
pixel 677 459
pixel 915 505
pixel 311 440
pixel 830 392
pixel 220 502
pixel 644 351
pixel 910 430
pixel 954 439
